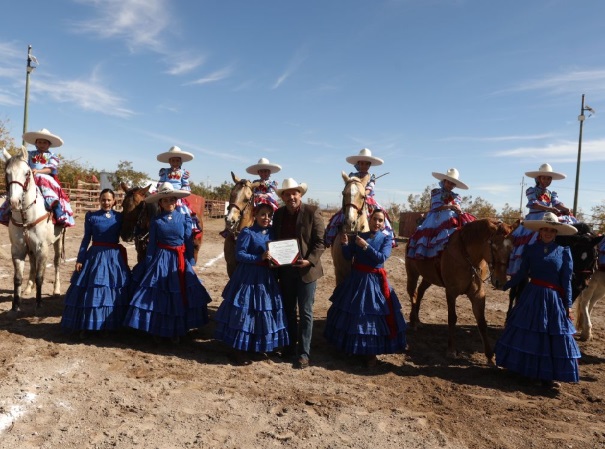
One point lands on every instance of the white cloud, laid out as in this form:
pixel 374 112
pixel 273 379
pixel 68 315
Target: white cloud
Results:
pixel 564 151
pixel 213 77
pixel 572 81
pixel 184 63
pixel 296 61
pixel 499 138
pixel 138 22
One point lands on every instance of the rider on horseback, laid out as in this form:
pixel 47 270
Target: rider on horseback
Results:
pixel 44 165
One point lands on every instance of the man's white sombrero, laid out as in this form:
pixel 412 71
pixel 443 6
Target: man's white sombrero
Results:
pixel 31 137
pixel 175 152
pixel 551 221
pixel 263 164
pixel 289 184
pixel 545 170
pixel 365 155
pixel 166 190
pixel 451 175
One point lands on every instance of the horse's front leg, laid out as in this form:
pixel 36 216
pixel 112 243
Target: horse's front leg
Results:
pixel 18 265
pixel 452 319
pixel 29 286
pixel 478 303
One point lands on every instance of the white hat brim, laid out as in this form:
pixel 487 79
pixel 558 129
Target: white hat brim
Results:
pixel 155 197
pixel 31 137
pixel 302 188
pixel 554 175
pixel 165 157
pixel 457 182
pixel 373 160
pixel 561 228
pixel 253 169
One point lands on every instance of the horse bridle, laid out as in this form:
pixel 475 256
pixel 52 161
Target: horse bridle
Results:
pixel 354 206
pixel 24 187
pixel 233 228
pixel 490 263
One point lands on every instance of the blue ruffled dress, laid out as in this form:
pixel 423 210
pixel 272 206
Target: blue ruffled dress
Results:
pixel 538 341
pixel 164 304
pixel 251 316
pixel 361 320
pixel 430 238
pixel 97 298
pixel 523 236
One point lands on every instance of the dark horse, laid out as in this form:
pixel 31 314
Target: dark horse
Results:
pixel 479 248
pixel 583 246
pixel 137 216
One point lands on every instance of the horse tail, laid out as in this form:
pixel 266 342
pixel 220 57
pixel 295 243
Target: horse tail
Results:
pixel 63 244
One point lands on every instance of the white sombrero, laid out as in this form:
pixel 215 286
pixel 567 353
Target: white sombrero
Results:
pixel 175 152
pixel 31 137
pixel 263 164
pixel 451 175
pixel 364 155
pixel 166 190
pixel 289 184
pixel 551 221
pixel 545 170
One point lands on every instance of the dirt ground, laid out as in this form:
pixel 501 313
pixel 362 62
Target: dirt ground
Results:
pixel 125 391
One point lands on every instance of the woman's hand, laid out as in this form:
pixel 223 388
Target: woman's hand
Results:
pixel 78 267
pixel 344 239
pixel 361 243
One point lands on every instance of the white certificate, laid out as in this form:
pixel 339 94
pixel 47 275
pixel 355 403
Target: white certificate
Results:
pixel 283 252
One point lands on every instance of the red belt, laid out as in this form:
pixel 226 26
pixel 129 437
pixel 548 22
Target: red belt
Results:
pixel 180 250
pixel 118 246
pixel 386 291
pixel 542 283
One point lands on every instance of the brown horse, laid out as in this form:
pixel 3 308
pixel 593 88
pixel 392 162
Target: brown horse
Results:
pixel 472 252
pixel 355 219
pixel 137 217
pixel 240 215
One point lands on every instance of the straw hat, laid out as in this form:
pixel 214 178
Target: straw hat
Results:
pixel 263 164
pixel 175 152
pixel 31 137
pixel 550 221
pixel 166 190
pixel 289 184
pixel 545 170
pixel 364 155
pixel 451 175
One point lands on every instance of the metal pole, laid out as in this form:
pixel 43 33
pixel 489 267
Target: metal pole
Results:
pixel 28 70
pixel 521 199
pixel 575 196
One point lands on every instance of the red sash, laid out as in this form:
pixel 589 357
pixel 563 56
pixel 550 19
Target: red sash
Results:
pixel 180 250
pixel 542 283
pixel 119 246
pixel 386 291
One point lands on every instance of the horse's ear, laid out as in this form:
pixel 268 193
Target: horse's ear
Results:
pixel 345 177
pixel 123 186
pixel 235 178
pixel 255 184
pixel 6 154
pixel 366 179
pixel 597 240
pixel 146 190
pixel 23 153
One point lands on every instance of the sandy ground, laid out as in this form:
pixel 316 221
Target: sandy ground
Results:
pixel 124 391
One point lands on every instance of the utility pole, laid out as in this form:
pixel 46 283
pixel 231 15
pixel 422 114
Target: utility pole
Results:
pixel 29 69
pixel 521 199
pixel 581 119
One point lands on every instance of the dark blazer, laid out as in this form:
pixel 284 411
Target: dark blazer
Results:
pixel 310 230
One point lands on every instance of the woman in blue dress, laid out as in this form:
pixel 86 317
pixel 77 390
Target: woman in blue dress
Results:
pixel 98 295
pixel 251 317
pixel 444 217
pixel 362 163
pixel 365 317
pixel 179 178
pixel 266 191
pixel 538 341
pixel 168 298
pixel 539 201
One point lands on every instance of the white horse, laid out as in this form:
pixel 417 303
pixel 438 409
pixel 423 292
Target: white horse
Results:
pixel 585 303
pixel 31 229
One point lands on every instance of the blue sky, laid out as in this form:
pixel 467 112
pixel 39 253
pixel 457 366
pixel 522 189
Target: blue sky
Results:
pixel 491 88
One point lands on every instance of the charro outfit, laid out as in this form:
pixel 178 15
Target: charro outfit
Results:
pixel 251 316
pixel 98 296
pixel 365 316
